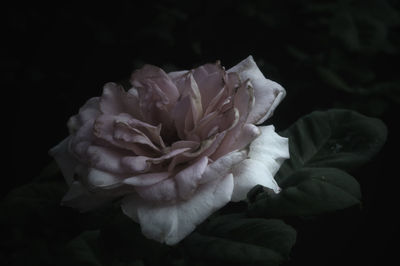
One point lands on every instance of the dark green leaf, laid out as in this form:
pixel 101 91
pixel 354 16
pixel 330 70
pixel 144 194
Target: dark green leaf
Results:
pixel 334 138
pixel 32 201
pixel 81 250
pixel 308 191
pixel 237 240
pixel 124 242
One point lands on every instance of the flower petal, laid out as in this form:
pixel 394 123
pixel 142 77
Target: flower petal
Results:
pixel 88 112
pixel 268 94
pixel 146 179
pixel 236 139
pixel 128 134
pixel 187 180
pixel 164 191
pixel 222 166
pixel 106 158
pixel 136 164
pixel 98 179
pixel 111 101
pixel 179 113
pixel 270 149
pixel 141 164
pixel 248 174
pixel 170 223
pixel 196 110
pixel 242 133
pixel 207 147
pixel 141 77
pixel 152 132
pixel 103 129
pixel 81 140
pixel 209 78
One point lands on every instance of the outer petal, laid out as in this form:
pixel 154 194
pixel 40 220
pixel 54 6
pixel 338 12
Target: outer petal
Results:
pixel 106 159
pixel 248 174
pixel 172 223
pixel 268 94
pixel 222 166
pixel 89 111
pixel 147 73
pixel 102 180
pixel 164 191
pixel 111 101
pixel 187 180
pixel 146 179
pixel 65 160
pixel 266 155
pixel 270 149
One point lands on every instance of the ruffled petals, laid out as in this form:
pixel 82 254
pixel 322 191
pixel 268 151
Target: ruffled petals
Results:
pixel 268 94
pixel 170 223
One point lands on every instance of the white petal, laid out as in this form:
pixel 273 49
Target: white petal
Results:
pixel 163 191
pixel 268 94
pixel 171 223
pixel 79 198
pixel 65 160
pixel 146 179
pixel 270 149
pixel 248 174
pixel 102 180
pixel 222 166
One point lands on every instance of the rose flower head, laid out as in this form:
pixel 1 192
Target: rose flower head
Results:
pixel 175 147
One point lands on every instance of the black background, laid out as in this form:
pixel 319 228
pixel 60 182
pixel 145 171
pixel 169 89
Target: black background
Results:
pixel 61 55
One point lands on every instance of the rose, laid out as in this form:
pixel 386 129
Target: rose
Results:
pixel 174 148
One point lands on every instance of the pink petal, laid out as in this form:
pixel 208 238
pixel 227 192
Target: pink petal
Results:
pixel 241 134
pixel 131 103
pixel 103 129
pixel 236 139
pixel 210 80
pixel 244 101
pixel 216 101
pixel 111 101
pixel 81 140
pixel 141 77
pixel 207 147
pixel 192 145
pixel 136 164
pixel 106 158
pixel 196 108
pixel 188 179
pixel 88 112
pixel 128 134
pixel 216 122
pixel 179 113
pixel 153 132
pixel 141 164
